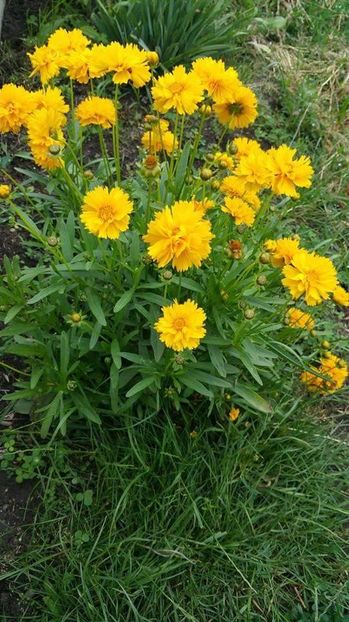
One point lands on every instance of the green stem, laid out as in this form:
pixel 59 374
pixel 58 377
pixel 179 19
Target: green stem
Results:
pixel 104 153
pixel 116 138
pixel 196 142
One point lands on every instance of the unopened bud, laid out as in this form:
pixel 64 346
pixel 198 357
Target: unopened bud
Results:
pixel 179 359
pixel 152 59
pixel 231 148
pixel 54 150
pixel 76 318
pixel 167 275
pixel 52 240
pixel 264 258
pixel 325 344
pixel 206 110
pixel 249 314
pixel 206 174
pixel 88 174
pixel 261 279
pixel 210 157
pixel 72 385
pixel 215 185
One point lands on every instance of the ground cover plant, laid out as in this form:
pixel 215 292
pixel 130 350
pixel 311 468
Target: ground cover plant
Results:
pixel 177 422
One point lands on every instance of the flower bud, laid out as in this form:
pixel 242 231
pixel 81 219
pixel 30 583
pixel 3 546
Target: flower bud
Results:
pixel 88 174
pixel 206 174
pixel 264 258
pixel 235 249
pixel 313 333
pixel 230 148
pixel 72 385
pixel 325 344
pixel 222 164
pixel 151 167
pixel 52 240
pixel 206 110
pixel 210 157
pixel 54 150
pixel 152 59
pixel 179 359
pixel 215 185
pixel 262 279
pixel 5 191
pixel 76 317
pixel 249 314
pixel 167 275
pixel 224 294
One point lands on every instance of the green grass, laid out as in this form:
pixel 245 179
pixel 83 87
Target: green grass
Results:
pixel 243 521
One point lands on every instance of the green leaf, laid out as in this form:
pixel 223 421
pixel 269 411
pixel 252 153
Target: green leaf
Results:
pixel 181 171
pixel 123 300
pixel 84 407
pixel 95 335
pixel 217 359
pixel 252 398
pixel 43 293
pixel 11 313
pixel 139 386
pixel 94 303
pixel 209 379
pixel 195 385
pixel 64 354
pixel 115 353
pixel 35 376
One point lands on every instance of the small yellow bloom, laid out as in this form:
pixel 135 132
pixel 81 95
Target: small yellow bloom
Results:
pixel 5 191
pixel 78 65
pixel 243 146
pixel 282 251
pixel 181 325
pixel 217 81
pixel 341 296
pixel 239 110
pixel 234 413
pixel 254 170
pixel 288 173
pixel 296 318
pixel 179 235
pixel 96 111
pixel 335 370
pixel 106 213
pixel 127 63
pixel 310 275
pixel 242 213
pixel 45 61
pixel 63 42
pixel 152 58
pixel 46 136
pixel 179 90
pixel 159 138
pixel 201 206
pixel 224 160
pixel 50 98
pixel 236 187
pixel 16 104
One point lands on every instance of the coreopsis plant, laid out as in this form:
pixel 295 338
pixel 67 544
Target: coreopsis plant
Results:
pixel 170 289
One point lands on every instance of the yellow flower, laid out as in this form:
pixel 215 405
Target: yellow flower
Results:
pixel 96 111
pixel 234 413
pixel 45 61
pixel 45 135
pixel 15 105
pixel 201 206
pixel 50 98
pixel 5 191
pixel 289 173
pixel 218 81
pixel 239 210
pixel 239 110
pixel 159 138
pixel 244 146
pixel 224 160
pixel 296 318
pixel 64 42
pixel 78 65
pixel 236 187
pixel 310 275
pixel 127 63
pixel 341 296
pixel 254 170
pixel 106 213
pixel 179 90
pixel 179 235
pixel 152 58
pixel 181 325
pixel 335 370
pixel 282 251
pixel 98 61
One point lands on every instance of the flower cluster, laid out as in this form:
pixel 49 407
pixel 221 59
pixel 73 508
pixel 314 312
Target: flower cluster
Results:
pixel 329 376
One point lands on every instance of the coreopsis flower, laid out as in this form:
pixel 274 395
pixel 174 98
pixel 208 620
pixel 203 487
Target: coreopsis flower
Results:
pixel 243 146
pixel 254 170
pixel 127 64
pixel 179 235
pixel 181 326
pixel 341 296
pixel 44 61
pixel 96 111
pixel 242 213
pixel 234 413
pixel 98 61
pixel 333 368
pixel 16 104
pixel 106 213
pixel 296 318
pixel 217 81
pixel 239 110
pixel 46 137
pixel 201 206
pixel 179 90
pixel 78 65
pixel 224 160
pixel 282 251
pixel 50 98
pixel 64 42
pixel 289 173
pixel 310 275
pixel 236 187
pixel 152 58
pixel 5 191
pixel 159 138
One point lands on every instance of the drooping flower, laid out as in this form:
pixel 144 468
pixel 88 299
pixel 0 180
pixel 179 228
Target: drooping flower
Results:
pixel 63 42
pixel 5 191
pixel 234 413
pixel 181 325
pixel 218 81
pixel 15 106
pixel 310 275
pixel 282 251
pixel 289 173
pixel 239 110
pixel 106 213
pixel 44 61
pixel 297 318
pixel 96 111
pixel 46 138
pixel 254 170
pixel 341 296
pixel 242 213
pixel 236 187
pixel 179 90
pixel 179 235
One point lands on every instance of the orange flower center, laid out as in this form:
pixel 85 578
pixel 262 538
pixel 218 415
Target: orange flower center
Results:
pixel 179 323
pixel 105 212
pixel 177 88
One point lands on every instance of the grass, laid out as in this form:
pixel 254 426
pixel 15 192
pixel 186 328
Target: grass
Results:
pixel 234 522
